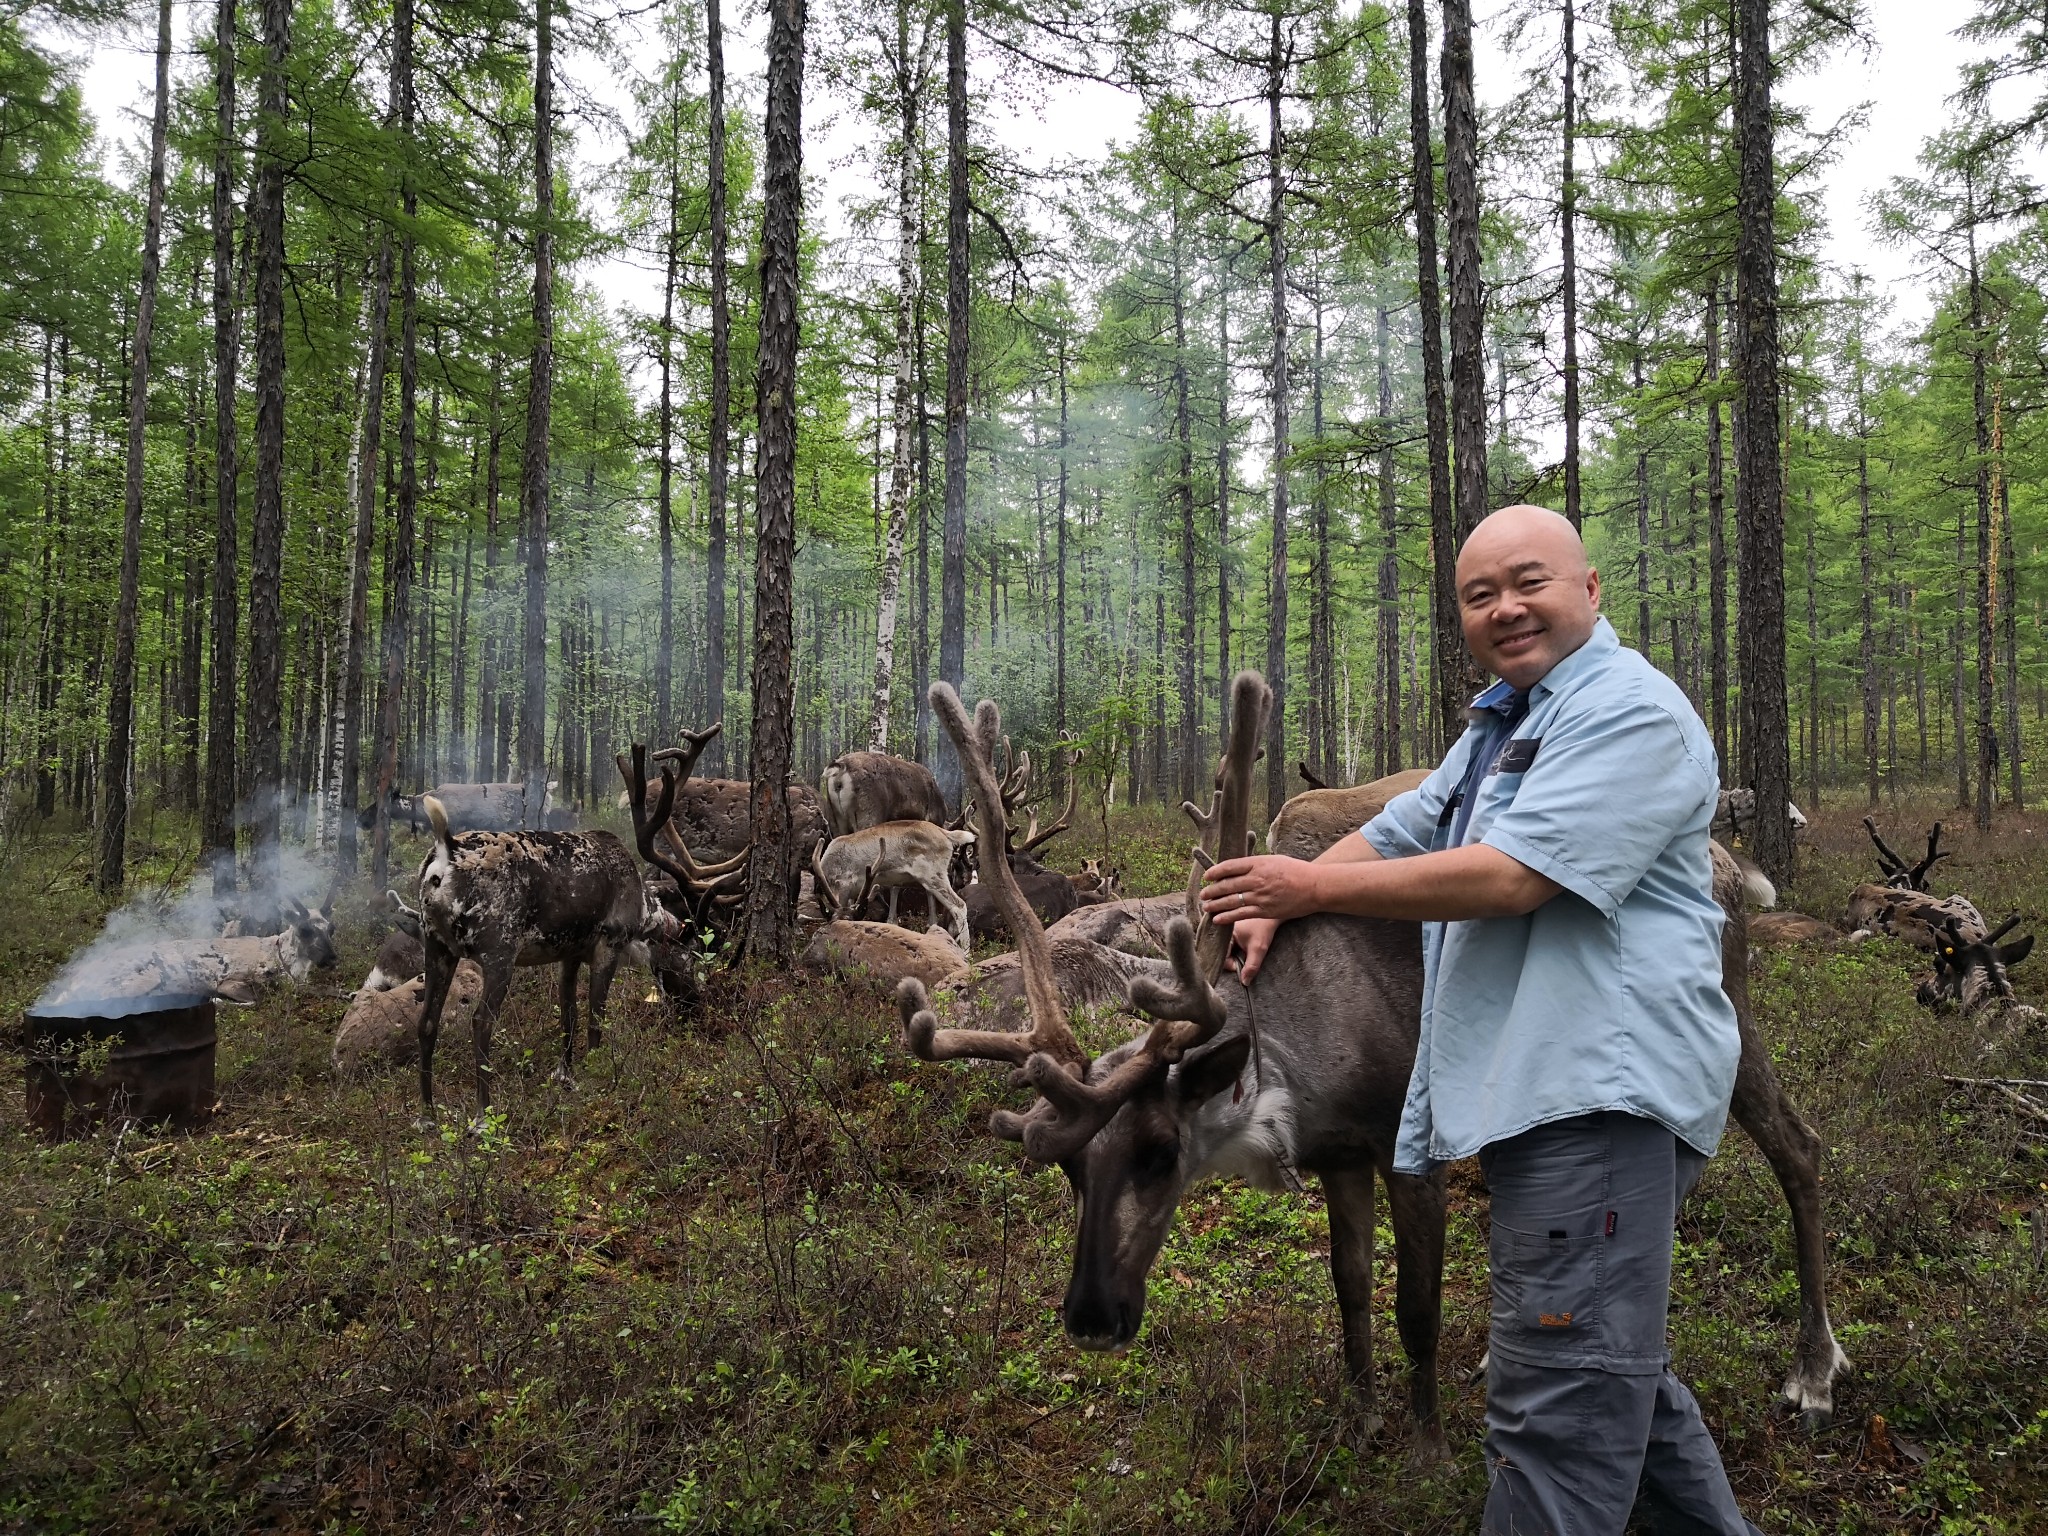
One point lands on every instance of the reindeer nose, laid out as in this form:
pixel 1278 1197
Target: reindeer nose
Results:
pixel 1099 1324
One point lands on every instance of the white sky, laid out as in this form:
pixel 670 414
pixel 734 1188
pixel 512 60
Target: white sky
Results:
pixel 1904 81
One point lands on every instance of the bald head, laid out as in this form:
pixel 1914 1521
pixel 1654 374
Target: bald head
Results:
pixel 1527 595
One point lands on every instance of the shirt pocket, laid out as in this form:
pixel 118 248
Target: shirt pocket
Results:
pixel 1547 1287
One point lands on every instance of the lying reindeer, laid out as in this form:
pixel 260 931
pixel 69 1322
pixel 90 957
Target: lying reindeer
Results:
pixel 402 956
pixel 573 899
pixel 1315 1084
pixel 1971 972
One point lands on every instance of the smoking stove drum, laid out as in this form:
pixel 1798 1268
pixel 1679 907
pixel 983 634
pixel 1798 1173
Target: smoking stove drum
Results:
pixel 159 1053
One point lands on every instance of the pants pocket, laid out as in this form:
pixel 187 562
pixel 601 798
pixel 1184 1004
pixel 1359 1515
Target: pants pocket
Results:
pixel 1546 1289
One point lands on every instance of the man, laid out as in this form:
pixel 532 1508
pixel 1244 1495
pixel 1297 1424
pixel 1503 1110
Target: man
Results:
pixel 1574 1030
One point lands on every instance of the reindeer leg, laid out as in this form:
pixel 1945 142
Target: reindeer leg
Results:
pixel 956 911
pixel 1416 1204
pixel 1789 1144
pixel 566 1002
pixel 604 965
pixel 894 892
pixel 440 972
pixel 497 971
pixel 1348 1194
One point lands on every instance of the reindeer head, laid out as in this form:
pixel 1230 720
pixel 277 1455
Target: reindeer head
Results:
pixel 1123 1126
pixel 1972 972
pixel 307 943
pixel 703 893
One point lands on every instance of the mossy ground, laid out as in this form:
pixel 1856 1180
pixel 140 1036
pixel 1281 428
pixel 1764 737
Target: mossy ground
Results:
pixel 766 1272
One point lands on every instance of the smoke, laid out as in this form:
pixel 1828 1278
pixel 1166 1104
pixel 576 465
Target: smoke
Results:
pixel 157 942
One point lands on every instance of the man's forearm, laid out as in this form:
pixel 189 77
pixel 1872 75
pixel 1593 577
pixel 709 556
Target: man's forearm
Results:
pixel 1454 884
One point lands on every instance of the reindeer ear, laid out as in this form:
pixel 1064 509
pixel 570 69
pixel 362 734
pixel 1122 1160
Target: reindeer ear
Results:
pixel 2012 954
pixel 1203 1077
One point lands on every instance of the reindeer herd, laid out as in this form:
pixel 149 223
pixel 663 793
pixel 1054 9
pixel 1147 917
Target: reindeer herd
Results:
pixel 1301 1075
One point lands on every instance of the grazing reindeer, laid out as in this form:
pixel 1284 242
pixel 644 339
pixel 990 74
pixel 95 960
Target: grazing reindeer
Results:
pixel 507 899
pixel 1317 1087
pixel 1971 972
pixel 1322 1093
pixel 890 856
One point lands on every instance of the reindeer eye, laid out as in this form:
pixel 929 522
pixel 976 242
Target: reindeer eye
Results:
pixel 1158 1161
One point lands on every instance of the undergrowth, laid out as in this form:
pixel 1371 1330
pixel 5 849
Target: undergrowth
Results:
pixel 765 1272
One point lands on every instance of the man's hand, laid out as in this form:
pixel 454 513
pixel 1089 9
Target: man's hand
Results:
pixel 1253 897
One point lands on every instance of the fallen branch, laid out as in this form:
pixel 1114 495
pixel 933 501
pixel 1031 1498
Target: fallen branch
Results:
pixel 2003 1086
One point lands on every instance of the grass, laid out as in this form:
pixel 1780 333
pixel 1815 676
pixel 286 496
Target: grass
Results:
pixel 769 1273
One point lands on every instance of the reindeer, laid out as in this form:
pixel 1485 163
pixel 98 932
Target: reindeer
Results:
pixel 1316 1060
pixel 1737 807
pixel 572 899
pixel 1971 972
pixel 863 789
pixel 715 816
pixel 890 856
pixel 1316 818
pixel 487 807
pixel 1895 872
pixel 883 952
pixel 1098 882
pixel 1917 918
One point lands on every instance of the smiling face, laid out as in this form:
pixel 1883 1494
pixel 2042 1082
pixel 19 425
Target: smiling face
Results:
pixel 1526 595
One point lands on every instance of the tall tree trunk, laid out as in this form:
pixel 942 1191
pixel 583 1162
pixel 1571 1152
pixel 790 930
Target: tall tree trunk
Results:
pixel 716 494
pixel 2008 567
pixel 217 815
pixel 121 688
pixel 665 636
pixel 1387 753
pixel 901 468
pixel 1642 498
pixel 1223 633
pixel 266 549
pixel 1190 736
pixel 770 914
pixel 533 463
pixel 1276 246
pixel 1717 544
pixel 1573 501
pixel 1059 688
pixel 397 633
pixel 921 661
pixel 363 480
pixel 1866 656
pixel 1980 413
pixel 1322 664
pixel 1468 315
pixel 1759 484
pixel 953 553
pixel 1446 635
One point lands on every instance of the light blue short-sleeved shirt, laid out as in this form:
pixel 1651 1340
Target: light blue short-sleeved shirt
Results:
pixel 1608 996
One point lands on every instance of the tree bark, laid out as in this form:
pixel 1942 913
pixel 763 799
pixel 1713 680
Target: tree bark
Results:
pixel 533 462
pixel 1276 245
pixel 1446 636
pixel 1980 413
pixel 1223 631
pixel 1322 665
pixel 716 492
pixel 397 633
pixel 113 849
pixel 1717 544
pixel 266 549
pixel 665 635
pixel 953 552
pixel 1866 649
pixel 1387 752
pixel 363 480
pixel 1189 751
pixel 217 814
pixel 1468 314
pixel 901 468
pixel 1573 500
pixel 770 913
pixel 1759 485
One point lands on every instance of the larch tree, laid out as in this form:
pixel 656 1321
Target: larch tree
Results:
pixel 534 456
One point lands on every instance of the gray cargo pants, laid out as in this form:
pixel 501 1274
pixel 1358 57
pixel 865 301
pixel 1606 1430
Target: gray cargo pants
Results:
pixel 1584 1419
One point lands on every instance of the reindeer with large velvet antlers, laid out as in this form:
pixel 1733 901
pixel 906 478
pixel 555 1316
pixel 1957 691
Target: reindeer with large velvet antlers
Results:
pixel 573 899
pixel 1204 1090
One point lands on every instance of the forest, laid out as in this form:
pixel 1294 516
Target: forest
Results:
pixel 334 468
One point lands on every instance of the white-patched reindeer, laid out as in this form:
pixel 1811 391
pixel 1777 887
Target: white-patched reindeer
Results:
pixel 570 899
pixel 891 856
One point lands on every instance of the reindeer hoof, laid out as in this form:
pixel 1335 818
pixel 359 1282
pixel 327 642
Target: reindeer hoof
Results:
pixel 1427 1448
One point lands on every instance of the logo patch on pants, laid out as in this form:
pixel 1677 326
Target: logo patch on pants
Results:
pixel 1555 1319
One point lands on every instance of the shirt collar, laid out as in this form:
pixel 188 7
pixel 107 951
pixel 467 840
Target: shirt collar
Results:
pixel 1600 645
